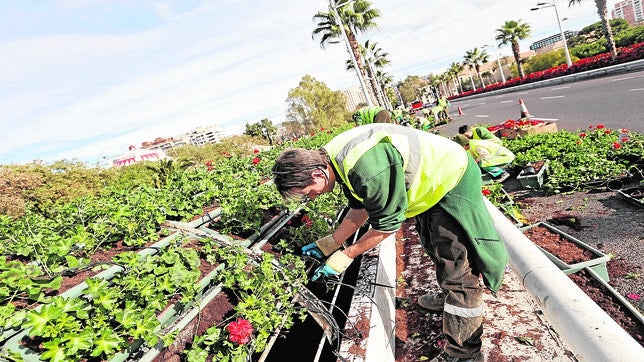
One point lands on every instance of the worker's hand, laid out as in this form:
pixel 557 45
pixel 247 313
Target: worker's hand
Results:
pixel 337 263
pixel 323 271
pixel 321 247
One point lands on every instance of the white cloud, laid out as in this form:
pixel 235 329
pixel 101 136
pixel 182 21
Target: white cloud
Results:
pixel 86 95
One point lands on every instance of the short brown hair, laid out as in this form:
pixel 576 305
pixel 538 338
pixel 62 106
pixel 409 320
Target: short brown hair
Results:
pixel 293 167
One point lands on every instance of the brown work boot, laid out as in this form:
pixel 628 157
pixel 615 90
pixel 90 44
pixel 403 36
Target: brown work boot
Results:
pixel 432 301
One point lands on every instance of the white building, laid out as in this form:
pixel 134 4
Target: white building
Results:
pixel 355 97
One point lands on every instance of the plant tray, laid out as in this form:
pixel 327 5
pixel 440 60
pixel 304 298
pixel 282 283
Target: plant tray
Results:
pixel 634 195
pixel 533 181
pixel 596 260
pixel 616 306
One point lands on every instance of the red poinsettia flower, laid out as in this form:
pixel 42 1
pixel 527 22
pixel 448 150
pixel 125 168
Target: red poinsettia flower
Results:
pixel 582 135
pixel 240 331
pixel 256 160
pixel 623 130
pixel 591 127
pixel 600 126
pixel 255 151
pixel 616 145
pixel 625 139
pixel 486 192
pixel 322 129
pixel 607 131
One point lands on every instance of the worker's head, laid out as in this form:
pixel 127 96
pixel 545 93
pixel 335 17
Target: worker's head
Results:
pixel 461 140
pixel 465 130
pixel 296 169
pixel 356 118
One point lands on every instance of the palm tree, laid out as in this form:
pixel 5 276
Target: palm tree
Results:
pixel 385 80
pixel 511 32
pixel 474 58
pixel 602 11
pixel 454 70
pixel 356 17
pixel 374 58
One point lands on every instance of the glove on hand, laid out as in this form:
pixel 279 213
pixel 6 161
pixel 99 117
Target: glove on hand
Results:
pixel 321 247
pixel 336 264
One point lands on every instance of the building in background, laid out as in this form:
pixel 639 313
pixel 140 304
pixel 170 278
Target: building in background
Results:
pixel 629 10
pixel 551 43
pixel 355 97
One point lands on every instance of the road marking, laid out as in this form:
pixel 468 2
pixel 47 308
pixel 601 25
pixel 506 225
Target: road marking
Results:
pixel 482 103
pixel 481 116
pixel 546 119
pixel 523 92
pixel 552 97
pixel 566 87
pixel 635 89
pixel 506 102
pixel 625 78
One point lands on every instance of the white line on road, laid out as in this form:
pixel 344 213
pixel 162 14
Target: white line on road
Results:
pixel 625 78
pixel 506 102
pixel 546 119
pixel 552 97
pixel 635 89
pixel 481 116
pixel 566 87
pixel 482 103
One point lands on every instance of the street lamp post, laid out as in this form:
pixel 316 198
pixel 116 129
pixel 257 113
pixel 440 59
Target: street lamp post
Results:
pixel 332 5
pixel 498 62
pixel 563 36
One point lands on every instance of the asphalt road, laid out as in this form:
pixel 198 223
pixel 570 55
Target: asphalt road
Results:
pixel 616 101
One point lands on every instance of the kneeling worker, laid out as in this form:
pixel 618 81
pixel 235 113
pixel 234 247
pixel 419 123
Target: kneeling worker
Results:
pixel 490 156
pixel 372 114
pixel 478 133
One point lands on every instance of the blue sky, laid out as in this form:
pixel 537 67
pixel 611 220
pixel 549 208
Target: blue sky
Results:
pixel 84 79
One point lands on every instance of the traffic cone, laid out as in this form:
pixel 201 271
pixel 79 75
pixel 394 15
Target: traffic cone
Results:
pixel 460 111
pixel 524 110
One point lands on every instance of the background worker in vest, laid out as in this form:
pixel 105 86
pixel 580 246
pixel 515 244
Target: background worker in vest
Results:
pixel 479 133
pixel 372 114
pixel 490 156
pixel 390 173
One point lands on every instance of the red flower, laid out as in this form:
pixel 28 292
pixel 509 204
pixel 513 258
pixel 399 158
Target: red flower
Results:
pixel 255 151
pixel 625 139
pixel 486 192
pixel 256 160
pixel 240 331
pixel 322 129
pixel 600 126
pixel 617 145
pixel 582 135
pixel 226 154
pixel 209 163
pixel 591 126
pixel 623 130
pixel 607 131
pixel 633 296
pixel 307 221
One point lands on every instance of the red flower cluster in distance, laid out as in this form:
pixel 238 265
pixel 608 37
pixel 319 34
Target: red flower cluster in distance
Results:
pixel 240 331
pixel 256 160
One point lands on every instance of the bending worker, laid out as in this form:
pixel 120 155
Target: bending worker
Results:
pixel 390 173
pixel 479 133
pixel 372 114
pixel 490 156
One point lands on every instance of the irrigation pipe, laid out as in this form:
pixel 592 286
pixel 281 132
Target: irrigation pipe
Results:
pixel 591 333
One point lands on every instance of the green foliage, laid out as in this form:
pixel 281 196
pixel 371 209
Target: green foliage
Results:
pixel 410 88
pixel 580 160
pixel 315 106
pixel 263 129
pixel 546 61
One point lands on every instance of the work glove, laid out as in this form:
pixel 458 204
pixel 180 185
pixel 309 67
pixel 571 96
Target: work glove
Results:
pixel 335 264
pixel 321 247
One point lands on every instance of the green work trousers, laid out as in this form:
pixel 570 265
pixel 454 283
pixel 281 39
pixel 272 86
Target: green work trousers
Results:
pixel 459 236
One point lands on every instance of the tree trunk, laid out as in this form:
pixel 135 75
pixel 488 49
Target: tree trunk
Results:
pixel 517 57
pixel 602 11
pixel 355 49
